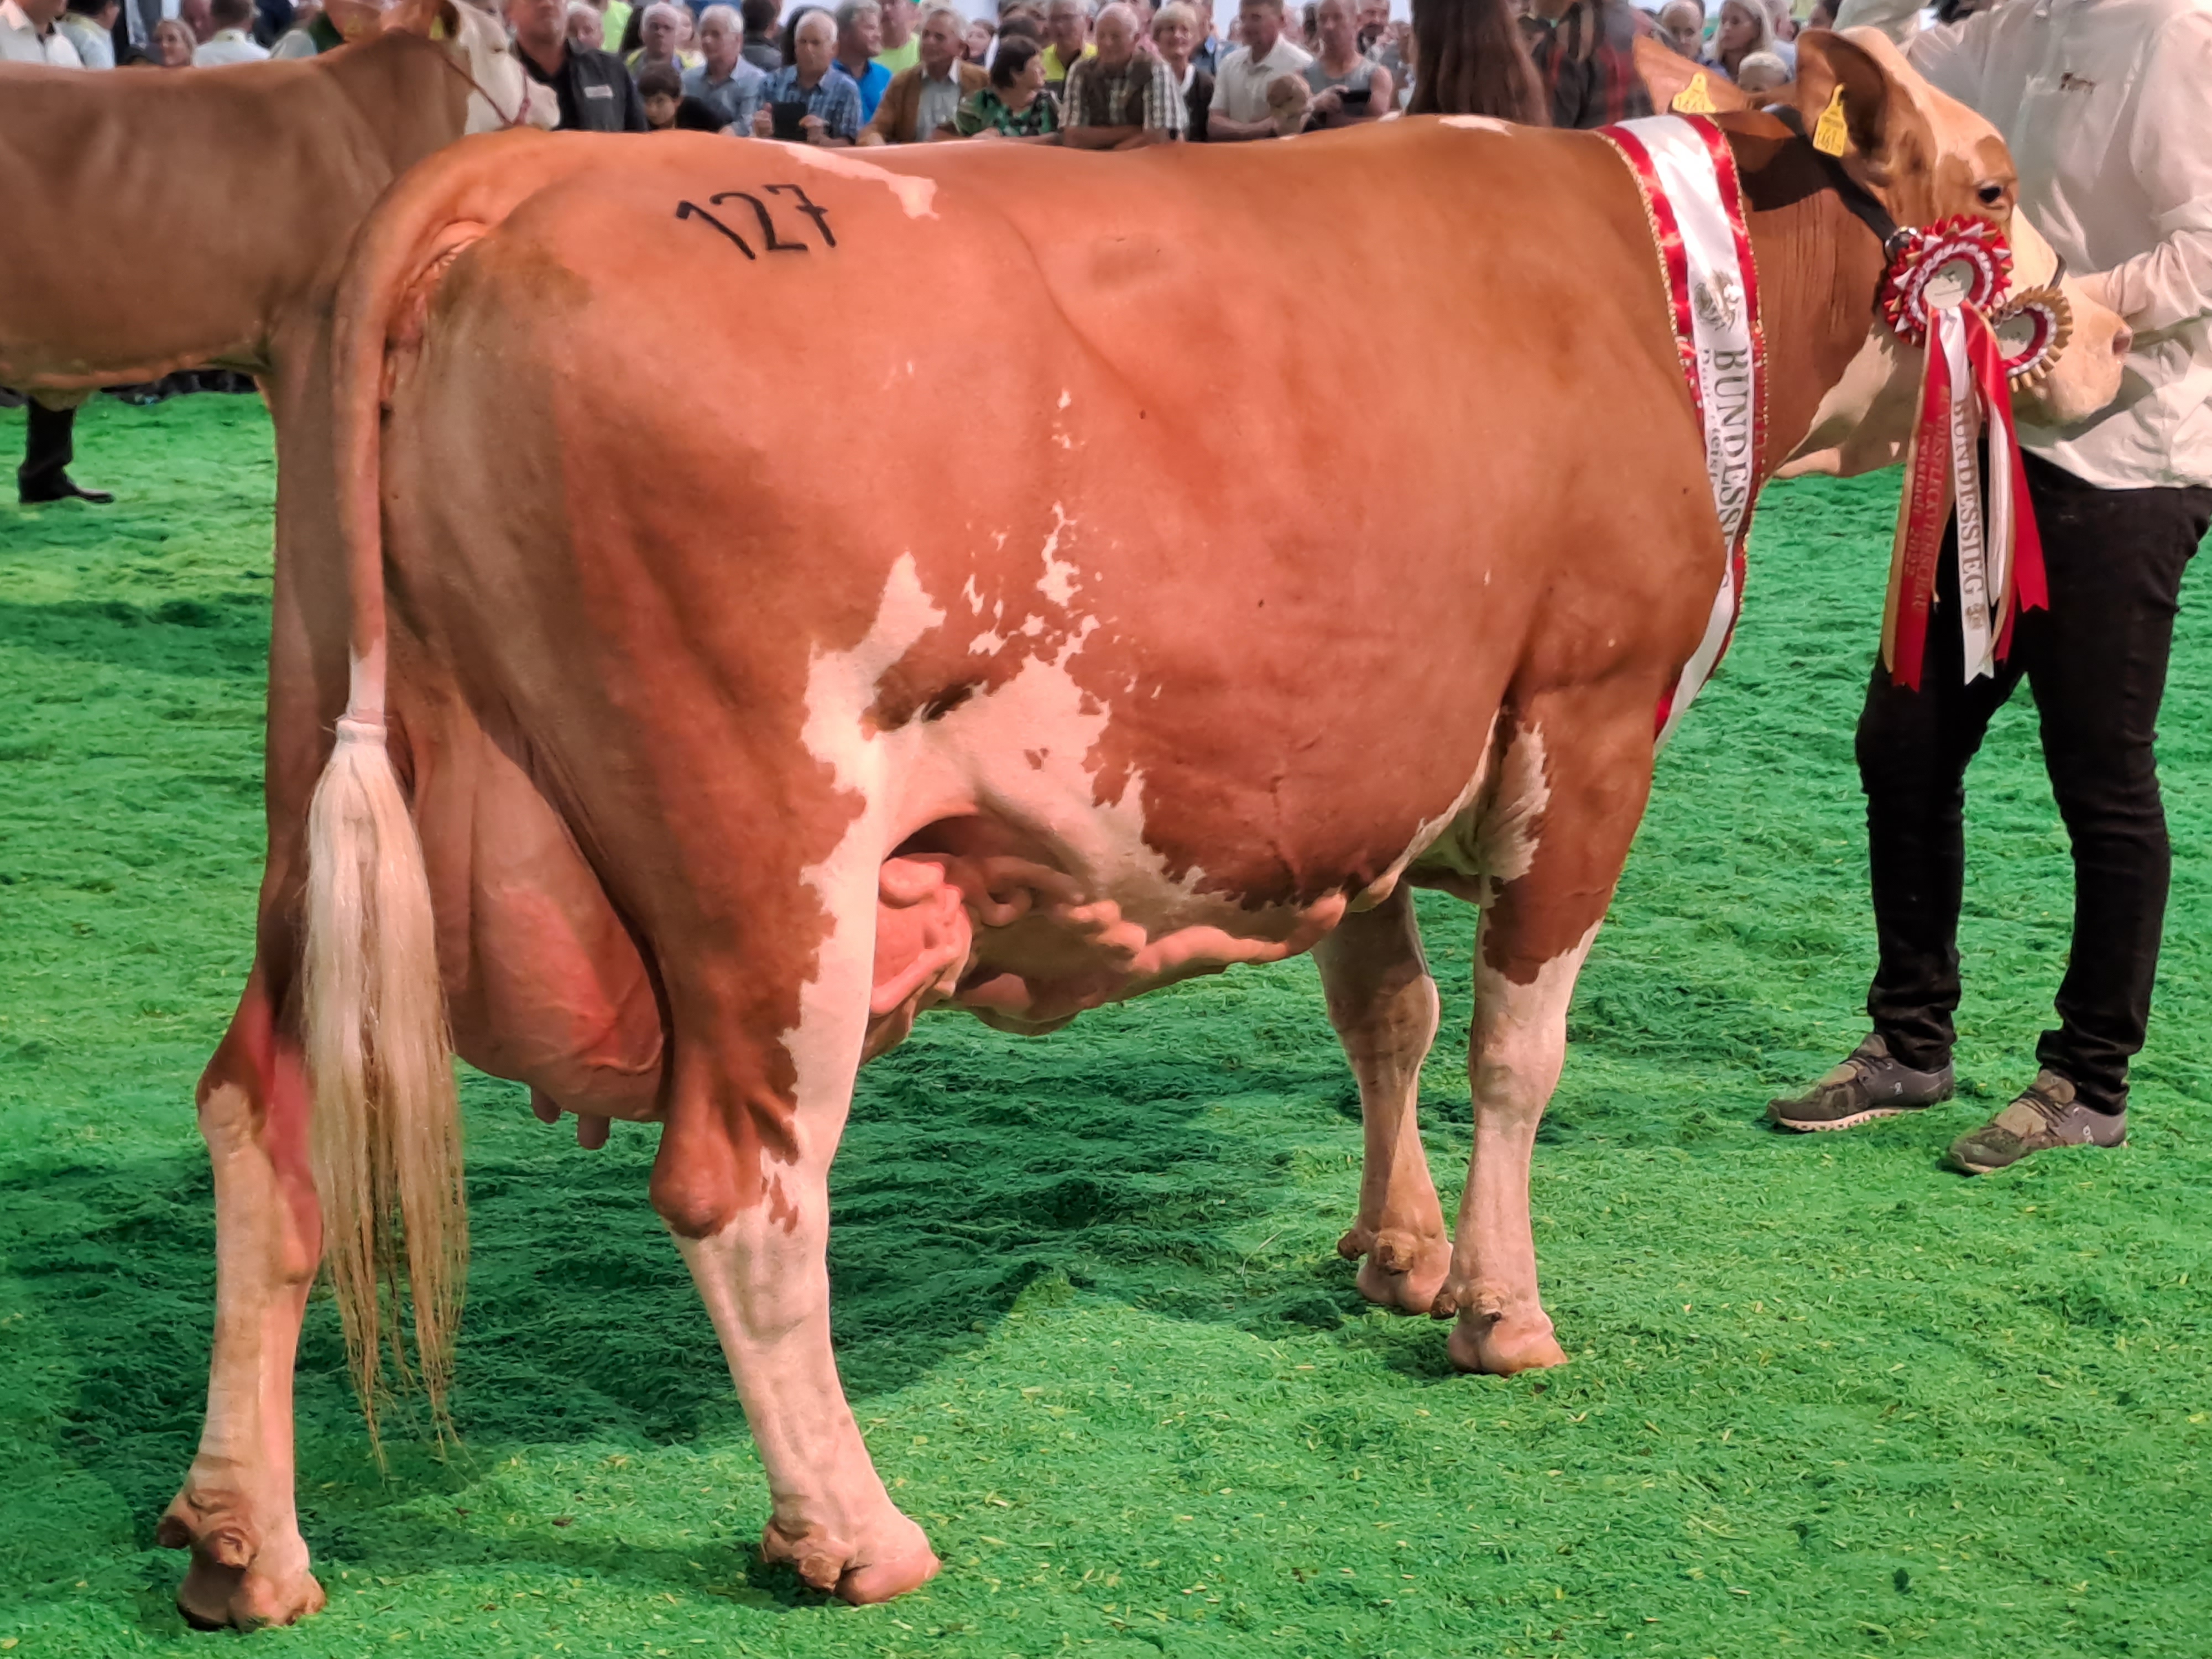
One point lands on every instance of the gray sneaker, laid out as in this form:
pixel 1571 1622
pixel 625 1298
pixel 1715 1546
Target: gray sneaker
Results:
pixel 2046 1115
pixel 1868 1086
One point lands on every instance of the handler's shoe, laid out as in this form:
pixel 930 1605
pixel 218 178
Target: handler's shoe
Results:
pixel 2045 1115
pixel 1868 1084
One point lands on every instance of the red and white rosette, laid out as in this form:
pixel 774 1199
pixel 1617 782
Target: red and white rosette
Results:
pixel 1938 293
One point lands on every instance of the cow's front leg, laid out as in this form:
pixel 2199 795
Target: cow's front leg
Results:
pixel 1383 1005
pixel 249 1564
pixel 1584 775
pixel 742 1181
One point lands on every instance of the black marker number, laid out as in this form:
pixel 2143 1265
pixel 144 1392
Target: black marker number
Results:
pixel 693 210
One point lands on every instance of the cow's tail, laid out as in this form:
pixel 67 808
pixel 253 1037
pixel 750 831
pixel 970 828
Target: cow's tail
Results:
pixel 385 1143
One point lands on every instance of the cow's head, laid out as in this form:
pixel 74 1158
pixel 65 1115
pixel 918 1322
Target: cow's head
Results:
pixel 1927 157
pixel 500 94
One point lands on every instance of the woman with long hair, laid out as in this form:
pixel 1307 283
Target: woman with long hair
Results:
pixel 1744 30
pixel 1469 59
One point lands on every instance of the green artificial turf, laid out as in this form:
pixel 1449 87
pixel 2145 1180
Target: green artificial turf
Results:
pixel 1826 1398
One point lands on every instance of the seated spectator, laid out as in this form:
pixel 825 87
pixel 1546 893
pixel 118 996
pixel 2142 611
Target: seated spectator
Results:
pixel 977 41
pixel 1346 86
pixel 1682 25
pixel 1211 48
pixel 595 93
pixel 1784 29
pixel 1762 71
pixel 859 36
pixel 1242 104
pixel 761 47
pixel 1120 98
pixel 586 28
pixel 723 82
pixel 817 100
pixel 1015 105
pixel 901 47
pixel 1742 30
pixel 616 20
pixel 90 26
pixel 1374 25
pixel 661 39
pixel 1067 40
pixel 173 44
pixel 921 102
pixel 1174 38
pixel 1474 61
pixel 1023 24
pixel 660 89
pixel 230 43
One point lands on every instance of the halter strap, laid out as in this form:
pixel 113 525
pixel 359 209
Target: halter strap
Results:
pixel 506 120
pixel 1858 201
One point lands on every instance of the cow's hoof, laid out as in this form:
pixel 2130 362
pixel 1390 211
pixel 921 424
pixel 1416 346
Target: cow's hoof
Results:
pixel 1501 1348
pixel 235 1581
pixel 899 1561
pixel 1401 1270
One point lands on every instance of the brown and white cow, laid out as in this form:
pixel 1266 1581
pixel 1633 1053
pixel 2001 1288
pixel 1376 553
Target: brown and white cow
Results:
pixel 158 222
pixel 678 764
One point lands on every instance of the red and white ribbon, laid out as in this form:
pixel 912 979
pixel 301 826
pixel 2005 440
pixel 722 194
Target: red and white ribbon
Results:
pixel 1936 293
pixel 1695 202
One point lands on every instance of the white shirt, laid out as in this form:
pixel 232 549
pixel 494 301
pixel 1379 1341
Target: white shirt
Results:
pixel 21 44
pixel 2106 106
pixel 228 46
pixel 95 46
pixel 1240 86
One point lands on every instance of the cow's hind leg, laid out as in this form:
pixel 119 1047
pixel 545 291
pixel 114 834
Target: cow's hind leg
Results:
pixel 249 1564
pixel 1585 773
pixel 1383 1005
pixel 757 1106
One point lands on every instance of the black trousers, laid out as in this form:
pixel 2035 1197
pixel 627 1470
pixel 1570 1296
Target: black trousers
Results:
pixel 49 447
pixel 2096 662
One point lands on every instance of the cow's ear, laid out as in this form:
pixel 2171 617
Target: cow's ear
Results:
pixel 428 18
pixel 1878 114
pixel 356 19
pixel 1668 75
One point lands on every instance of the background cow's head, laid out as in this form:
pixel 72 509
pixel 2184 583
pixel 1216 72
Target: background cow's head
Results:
pixel 1927 157
pixel 475 40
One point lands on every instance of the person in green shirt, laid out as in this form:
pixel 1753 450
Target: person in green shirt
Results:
pixel 1015 105
pixel 901 47
pixel 616 18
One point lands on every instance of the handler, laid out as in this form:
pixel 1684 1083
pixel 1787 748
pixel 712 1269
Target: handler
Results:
pixel 28 35
pixel 2103 104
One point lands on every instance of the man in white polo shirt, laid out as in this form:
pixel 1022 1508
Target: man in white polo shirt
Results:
pixel 28 35
pixel 1240 90
pixel 2103 104
pixel 231 44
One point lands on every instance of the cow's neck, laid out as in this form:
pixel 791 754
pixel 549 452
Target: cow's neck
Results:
pixel 395 77
pixel 1817 270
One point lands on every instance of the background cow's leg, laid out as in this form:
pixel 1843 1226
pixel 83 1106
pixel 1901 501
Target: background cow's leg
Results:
pixel 235 1512
pixel 742 1180
pixel 1383 1005
pixel 1589 774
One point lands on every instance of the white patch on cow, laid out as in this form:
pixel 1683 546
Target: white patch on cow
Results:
pixel 1478 124
pixel 986 644
pixel 1493 840
pixel 1066 397
pixel 1426 834
pixel 1061 577
pixel 914 195
pixel 841 687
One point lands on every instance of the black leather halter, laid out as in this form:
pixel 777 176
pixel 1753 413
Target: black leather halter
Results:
pixel 1858 201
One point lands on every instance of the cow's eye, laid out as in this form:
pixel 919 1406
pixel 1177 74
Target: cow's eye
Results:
pixel 1991 195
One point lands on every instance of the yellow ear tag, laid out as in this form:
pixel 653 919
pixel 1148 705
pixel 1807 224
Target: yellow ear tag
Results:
pixel 1694 100
pixel 1831 136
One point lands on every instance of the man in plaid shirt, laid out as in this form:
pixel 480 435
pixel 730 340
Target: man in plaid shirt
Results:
pixel 1121 98
pixel 832 96
pixel 1585 50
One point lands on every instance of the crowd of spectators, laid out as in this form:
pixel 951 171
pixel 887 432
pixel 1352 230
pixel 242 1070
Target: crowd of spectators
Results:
pixel 1075 73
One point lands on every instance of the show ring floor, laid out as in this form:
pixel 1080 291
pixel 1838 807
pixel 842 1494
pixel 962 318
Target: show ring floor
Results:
pixel 1826 1398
